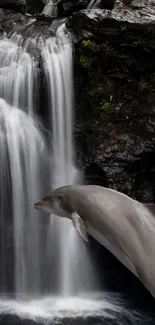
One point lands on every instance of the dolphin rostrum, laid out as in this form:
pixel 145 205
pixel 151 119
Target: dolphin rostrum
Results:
pixel 124 226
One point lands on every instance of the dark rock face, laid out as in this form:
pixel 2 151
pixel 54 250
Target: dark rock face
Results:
pixel 19 5
pixel 107 4
pixel 68 7
pixel 34 6
pixel 115 95
pixel 10 20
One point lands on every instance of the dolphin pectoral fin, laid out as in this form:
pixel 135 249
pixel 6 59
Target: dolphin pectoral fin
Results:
pixel 80 226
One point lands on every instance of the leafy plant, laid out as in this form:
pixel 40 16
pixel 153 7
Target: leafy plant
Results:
pixel 85 61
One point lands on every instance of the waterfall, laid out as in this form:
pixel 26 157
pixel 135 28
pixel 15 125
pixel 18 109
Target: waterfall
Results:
pixel 93 4
pixel 22 153
pixel 57 56
pixel 75 270
pixel 24 145
pixel 48 255
pixel 17 72
pixel 50 9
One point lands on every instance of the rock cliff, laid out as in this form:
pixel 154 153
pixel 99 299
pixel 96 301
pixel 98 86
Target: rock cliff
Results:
pixel 115 95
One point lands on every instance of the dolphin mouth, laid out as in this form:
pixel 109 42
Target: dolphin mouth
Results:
pixel 39 205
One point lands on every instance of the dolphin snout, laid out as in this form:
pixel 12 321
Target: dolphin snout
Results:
pixel 39 205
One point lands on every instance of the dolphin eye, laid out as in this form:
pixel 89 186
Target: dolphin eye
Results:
pixel 59 197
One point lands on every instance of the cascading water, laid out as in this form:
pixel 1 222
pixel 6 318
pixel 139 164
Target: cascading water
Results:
pixel 56 251
pixel 17 73
pixel 23 143
pixel 50 8
pixel 25 146
pixel 93 4
pixel 74 273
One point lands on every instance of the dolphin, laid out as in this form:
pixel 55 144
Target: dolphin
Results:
pixel 123 225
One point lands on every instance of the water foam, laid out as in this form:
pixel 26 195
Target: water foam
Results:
pixel 98 305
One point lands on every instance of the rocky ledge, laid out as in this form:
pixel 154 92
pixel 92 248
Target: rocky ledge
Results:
pixel 115 95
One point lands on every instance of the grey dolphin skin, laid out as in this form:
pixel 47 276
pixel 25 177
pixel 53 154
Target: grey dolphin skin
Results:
pixel 124 226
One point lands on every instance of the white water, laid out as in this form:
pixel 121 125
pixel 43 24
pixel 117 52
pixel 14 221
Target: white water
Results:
pixel 53 309
pixel 75 270
pixel 21 139
pixel 57 251
pixel 93 4
pixel 50 8
pixel 18 71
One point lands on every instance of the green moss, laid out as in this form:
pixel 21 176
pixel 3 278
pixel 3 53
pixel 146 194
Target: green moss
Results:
pixel 123 28
pixel 106 107
pixel 105 110
pixel 94 47
pixel 90 45
pixel 143 85
pixel 86 61
pixel 104 48
pixel 97 91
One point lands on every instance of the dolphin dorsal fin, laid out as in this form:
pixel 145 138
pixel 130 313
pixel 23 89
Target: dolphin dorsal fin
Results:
pixel 150 207
pixel 80 226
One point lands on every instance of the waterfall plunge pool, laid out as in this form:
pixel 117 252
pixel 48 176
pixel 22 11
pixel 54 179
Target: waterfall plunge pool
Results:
pixel 98 308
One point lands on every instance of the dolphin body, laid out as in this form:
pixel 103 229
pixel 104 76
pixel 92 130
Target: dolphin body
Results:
pixel 124 226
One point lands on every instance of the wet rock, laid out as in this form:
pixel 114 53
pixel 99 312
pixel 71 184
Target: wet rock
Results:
pixel 11 20
pixel 95 175
pixel 25 25
pixel 107 4
pixel 19 5
pixel 50 10
pixel 115 95
pixel 114 23
pixel 35 6
pixel 68 7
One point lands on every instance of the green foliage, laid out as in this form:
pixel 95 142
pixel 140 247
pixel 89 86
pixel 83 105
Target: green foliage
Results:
pixel 86 61
pixel 94 47
pixel 97 91
pixel 106 107
pixel 105 110
pixel 143 85
pixel 90 45
pixel 123 28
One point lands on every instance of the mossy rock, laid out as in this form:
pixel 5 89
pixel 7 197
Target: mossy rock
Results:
pixel 105 110
pixel 86 61
pixel 97 91
pixel 90 45
pixel 94 47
